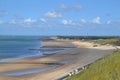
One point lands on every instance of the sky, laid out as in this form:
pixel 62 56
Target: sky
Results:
pixel 60 17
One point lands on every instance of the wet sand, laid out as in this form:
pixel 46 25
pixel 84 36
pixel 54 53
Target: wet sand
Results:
pixel 66 61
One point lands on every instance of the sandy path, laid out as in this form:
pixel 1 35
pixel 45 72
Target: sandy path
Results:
pixel 84 54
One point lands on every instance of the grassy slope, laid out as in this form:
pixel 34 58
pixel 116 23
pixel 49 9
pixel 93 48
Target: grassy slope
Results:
pixel 106 69
pixel 114 41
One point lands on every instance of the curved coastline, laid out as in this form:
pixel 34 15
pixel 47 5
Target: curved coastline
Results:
pixel 43 52
pixel 76 57
pixel 30 57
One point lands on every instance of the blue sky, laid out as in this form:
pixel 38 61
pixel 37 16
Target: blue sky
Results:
pixel 59 17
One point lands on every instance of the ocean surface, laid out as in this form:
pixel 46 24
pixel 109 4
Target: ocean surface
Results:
pixel 19 47
pixel 15 47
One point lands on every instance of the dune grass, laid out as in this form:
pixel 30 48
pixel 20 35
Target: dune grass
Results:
pixel 114 41
pixel 107 68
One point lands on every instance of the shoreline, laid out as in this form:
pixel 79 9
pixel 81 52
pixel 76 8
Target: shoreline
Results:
pixel 83 54
pixel 26 61
pixel 51 50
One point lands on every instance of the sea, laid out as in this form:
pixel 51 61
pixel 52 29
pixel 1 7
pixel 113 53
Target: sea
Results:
pixel 16 47
pixel 20 47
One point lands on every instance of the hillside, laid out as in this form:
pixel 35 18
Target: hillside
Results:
pixel 113 41
pixel 107 68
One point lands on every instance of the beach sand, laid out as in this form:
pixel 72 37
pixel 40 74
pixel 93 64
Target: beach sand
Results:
pixel 82 54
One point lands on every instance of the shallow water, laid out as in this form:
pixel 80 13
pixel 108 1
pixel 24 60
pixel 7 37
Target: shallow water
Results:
pixel 18 47
pixel 13 47
pixel 26 72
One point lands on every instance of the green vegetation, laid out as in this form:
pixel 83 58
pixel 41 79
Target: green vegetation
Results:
pixel 114 41
pixel 107 68
pixel 87 37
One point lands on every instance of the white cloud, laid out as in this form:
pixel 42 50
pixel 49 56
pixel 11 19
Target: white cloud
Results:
pixel 83 21
pixel 64 7
pixel 116 22
pixel 96 20
pixel 71 8
pixel 22 22
pixel 29 20
pixel 12 22
pixel 68 22
pixel 108 22
pixel 74 23
pixel 43 20
pixel 53 14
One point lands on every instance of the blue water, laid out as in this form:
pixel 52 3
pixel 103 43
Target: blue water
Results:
pixel 31 71
pixel 18 47
pixel 12 47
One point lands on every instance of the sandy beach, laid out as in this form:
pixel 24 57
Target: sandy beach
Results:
pixel 80 54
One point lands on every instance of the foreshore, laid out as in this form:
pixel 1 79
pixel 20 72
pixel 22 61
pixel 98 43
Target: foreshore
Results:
pixel 80 54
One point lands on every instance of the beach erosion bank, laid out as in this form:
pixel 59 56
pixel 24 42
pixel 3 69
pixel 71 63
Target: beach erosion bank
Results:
pixel 53 66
